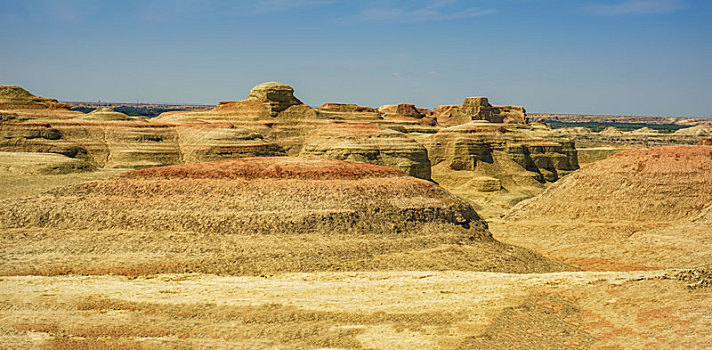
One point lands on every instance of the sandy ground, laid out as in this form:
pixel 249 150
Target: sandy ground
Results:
pixel 653 309
pixel 378 310
pixel 14 185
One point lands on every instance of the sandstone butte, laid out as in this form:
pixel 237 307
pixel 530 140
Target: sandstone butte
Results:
pixel 271 214
pixel 639 209
pixel 271 121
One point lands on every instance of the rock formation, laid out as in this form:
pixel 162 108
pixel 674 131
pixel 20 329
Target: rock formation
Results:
pixel 212 142
pixel 277 97
pixel 271 121
pixel 16 97
pixel 641 181
pixel 18 104
pixel 702 130
pixel 345 111
pixel 475 145
pixel 522 158
pixel 37 137
pixel 265 102
pixel 479 108
pixel 141 146
pixel 611 131
pixel 406 111
pixel 621 212
pixel 369 143
pixel 320 214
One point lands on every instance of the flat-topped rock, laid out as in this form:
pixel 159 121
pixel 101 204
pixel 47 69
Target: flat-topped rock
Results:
pixel 264 102
pixel 407 111
pixel 346 107
pixel 347 111
pixel 479 108
pixel 369 143
pixel 279 96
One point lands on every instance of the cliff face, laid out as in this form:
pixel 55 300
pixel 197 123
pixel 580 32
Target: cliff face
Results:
pixel 497 165
pixel 472 146
pixel 369 143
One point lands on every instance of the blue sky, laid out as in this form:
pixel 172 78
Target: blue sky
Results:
pixel 630 57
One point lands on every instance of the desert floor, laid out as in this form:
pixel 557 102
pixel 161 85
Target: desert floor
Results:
pixel 660 309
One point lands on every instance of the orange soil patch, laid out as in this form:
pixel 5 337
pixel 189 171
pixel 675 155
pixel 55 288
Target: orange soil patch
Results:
pixel 270 168
pixel 659 184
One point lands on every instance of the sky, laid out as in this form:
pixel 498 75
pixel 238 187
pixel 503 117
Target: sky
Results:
pixel 617 57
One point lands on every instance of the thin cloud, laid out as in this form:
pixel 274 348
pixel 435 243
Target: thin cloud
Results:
pixel 634 7
pixel 268 6
pixel 440 10
pixel 171 9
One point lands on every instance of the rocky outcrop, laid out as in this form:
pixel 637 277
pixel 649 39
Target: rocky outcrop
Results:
pixel 702 130
pixel 16 97
pixel 265 102
pixel 277 97
pixel 475 145
pixel 485 184
pixel 519 159
pixel 212 142
pixel 369 143
pixel 406 111
pixel 344 111
pixel 478 108
pixel 120 144
pixel 141 146
pixel 38 137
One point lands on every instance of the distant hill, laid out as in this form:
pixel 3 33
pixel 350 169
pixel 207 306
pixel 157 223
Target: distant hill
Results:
pixel 149 110
pixel 608 119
